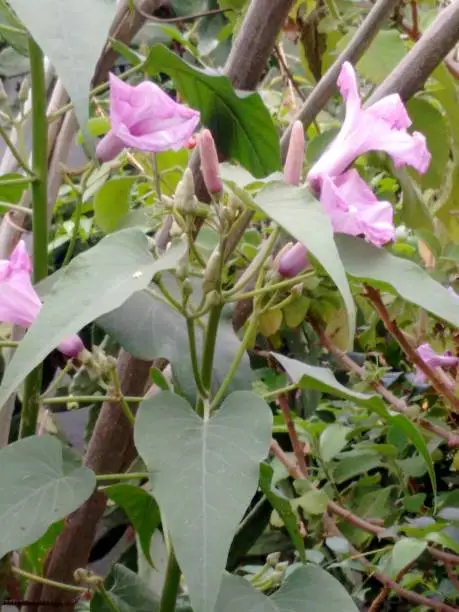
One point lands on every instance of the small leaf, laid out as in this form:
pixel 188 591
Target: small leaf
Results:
pixel 298 212
pixel 72 35
pixel 283 507
pixel 97 126
pixel 141 509
pixel 239 121
pixel 332 440
pixel 269 322
pixel 111 202
pixel 214 464
pixel 369 263
pixel 37 489
pixel 400 421
pixel 127 593
pixel 313 502
pixel 95 282
pixel 404 552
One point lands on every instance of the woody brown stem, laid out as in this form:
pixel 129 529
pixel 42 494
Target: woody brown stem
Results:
pixel 398 404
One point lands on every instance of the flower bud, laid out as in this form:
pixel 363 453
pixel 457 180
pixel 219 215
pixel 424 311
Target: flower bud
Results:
pixel 209 162
pixel 294 261
pixel 184 198
pixel 293 167
pixel 212 272
pixel 273 559
pixel 24 89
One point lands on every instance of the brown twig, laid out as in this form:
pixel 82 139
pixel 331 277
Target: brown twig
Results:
pixel 414 18
pixel 296 444
pixel 286 72
pixel 438 384
pixel 390 584
pixel 398 404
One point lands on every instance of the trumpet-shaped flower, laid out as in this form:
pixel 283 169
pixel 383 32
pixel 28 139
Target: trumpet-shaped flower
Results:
pixel 433 360
pixel 144 117
pixel 19 302
pixel 354 209
pixel 381 127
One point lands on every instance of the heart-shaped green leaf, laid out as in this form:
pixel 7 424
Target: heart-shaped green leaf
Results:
pixel 212 465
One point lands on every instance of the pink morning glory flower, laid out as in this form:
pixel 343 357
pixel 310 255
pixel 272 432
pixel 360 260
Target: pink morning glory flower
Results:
pixel 354 209
pixel 19 302
pixel 292 261
pixel 144 117
pixel 433 360
pixel 381 127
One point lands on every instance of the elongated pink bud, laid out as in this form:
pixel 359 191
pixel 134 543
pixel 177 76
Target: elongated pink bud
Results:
pixel 209 162
pixel 294 261
pixel 293 167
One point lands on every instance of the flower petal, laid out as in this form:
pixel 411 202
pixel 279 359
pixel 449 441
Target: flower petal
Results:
pixel 19 303
pixel 392 111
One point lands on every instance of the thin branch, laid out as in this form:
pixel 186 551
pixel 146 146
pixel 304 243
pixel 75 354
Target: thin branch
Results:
pixel 357 46
pixel 296 444
pixel 398 404
pixel 287 73
pixel 438 384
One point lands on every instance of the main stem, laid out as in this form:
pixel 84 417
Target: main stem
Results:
pixel 39 189
pixel 171 585
pixel 210 341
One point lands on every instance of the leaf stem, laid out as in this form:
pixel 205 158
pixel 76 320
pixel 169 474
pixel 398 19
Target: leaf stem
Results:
pixel 269 288
pixel 272 395
pixel 120 397
pixel 171 584
pixel 39 187
pixel 123 476
pixel 194 356
pixel 251 327
pixel 209 351
pixel 47 581
pixel 88 399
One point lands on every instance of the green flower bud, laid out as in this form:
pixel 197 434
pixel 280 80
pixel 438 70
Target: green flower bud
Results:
pixel 212 272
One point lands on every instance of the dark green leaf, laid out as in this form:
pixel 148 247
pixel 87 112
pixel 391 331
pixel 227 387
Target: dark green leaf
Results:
pixel 141 509
pixel 283 507
pixel 403 423
pixel 72 35
pixel 298 212
pixel 213 464
pixel 95 282
pixel 367 262
pixel 37 489
pixel 111 202
pixel 240 122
